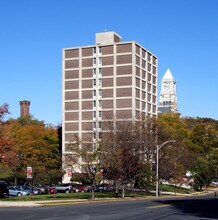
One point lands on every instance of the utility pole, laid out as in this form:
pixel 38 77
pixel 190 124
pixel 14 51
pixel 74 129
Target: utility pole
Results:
pixel 157 165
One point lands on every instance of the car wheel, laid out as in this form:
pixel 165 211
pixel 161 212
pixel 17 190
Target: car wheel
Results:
pixel 18 194
pixel 67 191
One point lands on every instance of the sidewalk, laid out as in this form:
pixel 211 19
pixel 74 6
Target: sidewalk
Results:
pixel 38 203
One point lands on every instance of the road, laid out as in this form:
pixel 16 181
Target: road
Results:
pixel 198 207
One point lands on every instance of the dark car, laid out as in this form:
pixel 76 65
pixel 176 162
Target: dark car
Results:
pixel 3 189
pixel 102 188
pixel 43 189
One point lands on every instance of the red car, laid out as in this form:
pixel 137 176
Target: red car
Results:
pixel 52 190
pixel 81 188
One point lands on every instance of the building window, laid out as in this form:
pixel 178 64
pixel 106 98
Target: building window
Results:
pixel 94 50
pixel 100 135
pixel 100 124
pixel 94 104
pixel 94 114
pixel 149 97
pixel 94 82
pixel 149 87
pixel 94 124
pixel 100 114
pixel 94 93
pixel 94 60
pixel 100 71
pixel 100 103
pixel 100 50
pixel 94 72
pixel 99 60
pixel 167 103
pixel 94 135
pixel 100 92
pixel 100 82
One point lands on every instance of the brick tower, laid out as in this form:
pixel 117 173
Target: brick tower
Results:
pixel 24 108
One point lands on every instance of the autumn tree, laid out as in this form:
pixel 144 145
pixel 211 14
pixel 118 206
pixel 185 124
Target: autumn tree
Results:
pixel 4 143
pixel 89 162
pixel 175 159
pixel 35 145
pixel 145 135
pixel 4 109
pixel 122 161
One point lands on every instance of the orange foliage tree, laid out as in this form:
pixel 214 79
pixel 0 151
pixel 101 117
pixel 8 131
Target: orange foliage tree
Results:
pixel 32 144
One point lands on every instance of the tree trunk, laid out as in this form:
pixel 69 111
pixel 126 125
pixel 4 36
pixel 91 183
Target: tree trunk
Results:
pixel 123 191
pixel 160 190
pixel 116 187
pixel 15 180
pixel 93 189
pixel 93 193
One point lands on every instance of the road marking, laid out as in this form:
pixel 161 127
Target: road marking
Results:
pixel 157 206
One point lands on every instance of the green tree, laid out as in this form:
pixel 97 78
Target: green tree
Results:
pixel 203 172
pixel 204 145
pixel 204 137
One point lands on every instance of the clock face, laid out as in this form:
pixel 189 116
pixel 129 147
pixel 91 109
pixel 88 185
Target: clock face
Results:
pixel 167 86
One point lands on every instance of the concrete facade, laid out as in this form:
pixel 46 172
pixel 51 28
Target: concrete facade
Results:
pixel 106 80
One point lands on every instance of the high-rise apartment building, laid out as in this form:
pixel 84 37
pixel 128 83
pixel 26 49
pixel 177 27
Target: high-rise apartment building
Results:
pixel 108 79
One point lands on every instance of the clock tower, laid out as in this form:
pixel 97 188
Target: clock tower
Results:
pixel 168 98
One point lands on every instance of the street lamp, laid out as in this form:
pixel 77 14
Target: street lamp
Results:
pixel 157 164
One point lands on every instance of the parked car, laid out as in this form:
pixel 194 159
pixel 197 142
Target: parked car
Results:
pixel 42 188
pixel 3 189
pixel 52 190
pixel 214 182
pixel 81 188
pixel 65 188
pixel 33 190
pixel 102 188
pixel 16 191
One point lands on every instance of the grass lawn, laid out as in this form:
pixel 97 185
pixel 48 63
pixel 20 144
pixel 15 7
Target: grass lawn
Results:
pixel 87 195
pixel 66 196
pixel 176 189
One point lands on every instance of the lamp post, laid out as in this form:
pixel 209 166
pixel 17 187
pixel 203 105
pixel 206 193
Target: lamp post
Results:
pixel 157 164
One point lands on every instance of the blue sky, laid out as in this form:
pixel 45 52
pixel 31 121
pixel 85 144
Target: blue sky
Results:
pixel 183 34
